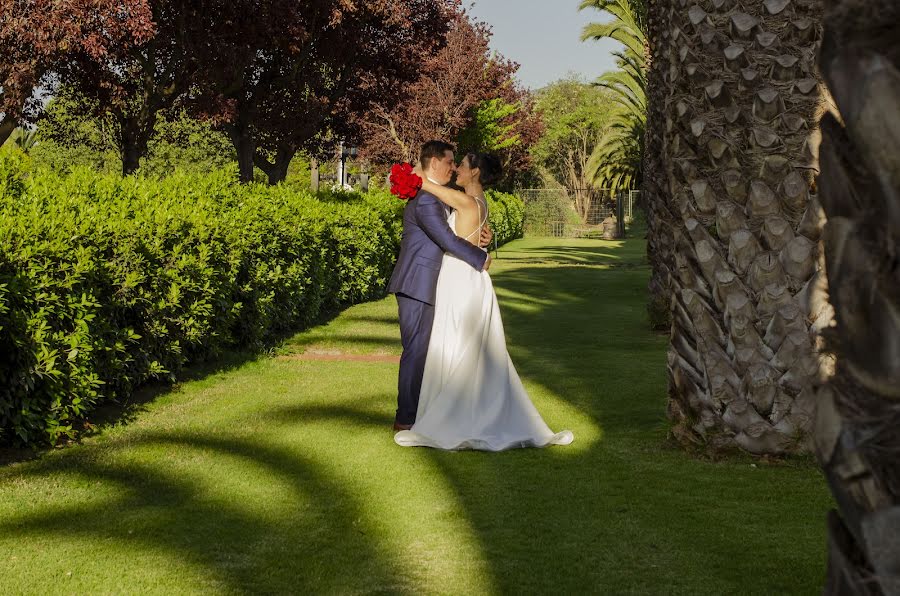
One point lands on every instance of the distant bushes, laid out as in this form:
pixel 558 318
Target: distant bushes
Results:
pixel 106 283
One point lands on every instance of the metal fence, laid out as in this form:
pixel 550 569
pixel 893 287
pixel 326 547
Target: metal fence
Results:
pixel 573 213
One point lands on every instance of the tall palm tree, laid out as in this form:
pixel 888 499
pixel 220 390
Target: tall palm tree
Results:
pixel 654 181
pixel 616 160
pixel 628 26
pixel 742 96
pixel 632 149
pixel 858 418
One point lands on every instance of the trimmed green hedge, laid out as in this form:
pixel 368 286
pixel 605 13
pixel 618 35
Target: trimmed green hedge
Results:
pixel 507 216
pixel 107 283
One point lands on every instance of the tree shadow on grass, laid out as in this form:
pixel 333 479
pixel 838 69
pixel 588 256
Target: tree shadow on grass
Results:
pixel 560 252
pixel 392 321
pixel 624 512
pixel 126 410
pixel 521 501
pixel 373 343
pixel 619 511
pixel 239 548
pixel 562 256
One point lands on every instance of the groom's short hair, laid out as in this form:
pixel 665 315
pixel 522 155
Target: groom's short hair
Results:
pixel 433 149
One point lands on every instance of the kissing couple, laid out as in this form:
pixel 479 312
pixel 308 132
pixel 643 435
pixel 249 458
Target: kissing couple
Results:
pixel 458 388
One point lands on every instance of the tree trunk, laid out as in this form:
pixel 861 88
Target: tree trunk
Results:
pixel 245 147
pixel 277 170
pixel 314 175
pixel 654 190
pixel 743 96
pixel 6 129
pixel 131 159
pixel 134 136
pixel 858 397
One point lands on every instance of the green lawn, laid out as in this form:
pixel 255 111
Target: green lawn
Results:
pixel 279 474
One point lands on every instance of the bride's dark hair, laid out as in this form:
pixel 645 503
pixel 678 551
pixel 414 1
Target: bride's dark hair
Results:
pixel 489 167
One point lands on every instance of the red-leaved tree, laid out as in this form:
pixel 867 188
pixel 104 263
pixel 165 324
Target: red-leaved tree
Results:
pixel 292 77
pixel 453 89
pixel 37 37
pixel 137 82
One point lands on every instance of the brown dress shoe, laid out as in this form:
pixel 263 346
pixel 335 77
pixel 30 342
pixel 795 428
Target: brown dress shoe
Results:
pixel 398 426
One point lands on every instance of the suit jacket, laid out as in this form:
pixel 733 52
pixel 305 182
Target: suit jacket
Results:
pixel 426 237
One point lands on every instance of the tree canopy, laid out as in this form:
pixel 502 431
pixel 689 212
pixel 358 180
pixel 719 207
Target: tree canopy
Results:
pixel 464 93
pixel 575 115
pixel 39 37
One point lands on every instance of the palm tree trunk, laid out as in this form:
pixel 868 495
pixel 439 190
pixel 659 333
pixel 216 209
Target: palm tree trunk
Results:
pixel 743 96
pixel 858 418
pixel 654 190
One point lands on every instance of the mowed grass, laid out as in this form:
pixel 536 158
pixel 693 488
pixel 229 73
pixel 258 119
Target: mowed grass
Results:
pixel 279 474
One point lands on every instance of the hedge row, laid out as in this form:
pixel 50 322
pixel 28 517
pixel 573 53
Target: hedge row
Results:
pixel 107 283
pixel 507 216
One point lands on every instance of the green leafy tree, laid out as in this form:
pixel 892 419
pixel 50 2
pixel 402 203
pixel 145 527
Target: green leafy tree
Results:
pixel 69 136
pixel 187 144
pixel 490 128
pixel 575 116
pixel 65 122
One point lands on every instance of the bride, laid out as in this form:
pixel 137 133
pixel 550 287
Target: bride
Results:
pixel 471 395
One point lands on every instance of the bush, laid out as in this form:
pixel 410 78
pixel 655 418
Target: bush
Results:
pixel 107 283
pixel 507 216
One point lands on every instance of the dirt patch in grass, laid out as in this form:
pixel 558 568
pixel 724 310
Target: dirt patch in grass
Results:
pixel 339 356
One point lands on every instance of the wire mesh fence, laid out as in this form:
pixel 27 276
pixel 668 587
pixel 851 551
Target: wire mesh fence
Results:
pixel 573 213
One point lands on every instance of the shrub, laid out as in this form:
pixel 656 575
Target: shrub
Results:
pixel 507 216
pixel 106 283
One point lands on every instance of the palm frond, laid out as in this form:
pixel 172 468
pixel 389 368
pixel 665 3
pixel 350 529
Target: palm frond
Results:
pixel 616 159
pixel 614 30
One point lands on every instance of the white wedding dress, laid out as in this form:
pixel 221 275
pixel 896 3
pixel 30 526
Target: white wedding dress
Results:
pixel 471 396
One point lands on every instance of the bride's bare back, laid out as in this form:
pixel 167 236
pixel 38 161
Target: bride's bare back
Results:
pixel 470 219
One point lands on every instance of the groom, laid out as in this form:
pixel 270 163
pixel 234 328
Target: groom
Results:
pixel 426 237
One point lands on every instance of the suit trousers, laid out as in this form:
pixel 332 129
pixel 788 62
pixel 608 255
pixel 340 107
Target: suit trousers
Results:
pixel 416 318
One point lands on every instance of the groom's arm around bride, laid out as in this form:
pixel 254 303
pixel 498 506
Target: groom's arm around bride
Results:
pixel 432 217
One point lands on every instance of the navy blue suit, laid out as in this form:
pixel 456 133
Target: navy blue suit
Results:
pixel 426 237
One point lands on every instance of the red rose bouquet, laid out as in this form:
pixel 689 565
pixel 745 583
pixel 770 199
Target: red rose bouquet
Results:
pixel 404 183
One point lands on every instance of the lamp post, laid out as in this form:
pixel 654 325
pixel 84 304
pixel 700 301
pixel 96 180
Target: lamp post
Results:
pixel 346 152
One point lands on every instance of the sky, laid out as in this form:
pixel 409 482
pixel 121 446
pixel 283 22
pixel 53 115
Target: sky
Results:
pixel 543 36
